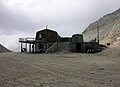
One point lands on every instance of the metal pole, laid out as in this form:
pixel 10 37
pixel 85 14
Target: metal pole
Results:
pixel 21 47
pixel 30 47
pixel 57 43
pixel 33 47
pixel 46 26
pixel 26 45
pixel 97 32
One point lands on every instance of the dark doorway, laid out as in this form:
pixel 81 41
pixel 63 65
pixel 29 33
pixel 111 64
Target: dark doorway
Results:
pixel 41 46
pixel 78 47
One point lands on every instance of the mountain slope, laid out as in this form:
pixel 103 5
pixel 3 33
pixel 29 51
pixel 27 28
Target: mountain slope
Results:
pixel 3 49
pixel 109 28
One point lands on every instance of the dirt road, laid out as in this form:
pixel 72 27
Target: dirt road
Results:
pixel 60 70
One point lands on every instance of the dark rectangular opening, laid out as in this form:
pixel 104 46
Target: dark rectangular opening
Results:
pixel 41 46
pixel 78 47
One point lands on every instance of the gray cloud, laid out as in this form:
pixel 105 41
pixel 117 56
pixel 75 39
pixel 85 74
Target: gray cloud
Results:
pixel 18 17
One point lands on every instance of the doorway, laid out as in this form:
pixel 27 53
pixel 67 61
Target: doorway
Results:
pixel 78 47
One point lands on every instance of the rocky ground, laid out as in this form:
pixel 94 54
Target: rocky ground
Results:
pixel 60 70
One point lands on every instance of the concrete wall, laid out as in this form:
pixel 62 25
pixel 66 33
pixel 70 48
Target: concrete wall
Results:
pixel 73 47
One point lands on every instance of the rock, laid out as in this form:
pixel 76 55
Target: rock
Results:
pixel 42 84
pixel 110 80
pixel 101 68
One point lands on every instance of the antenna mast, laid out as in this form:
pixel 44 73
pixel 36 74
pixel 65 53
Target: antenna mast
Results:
pixel 46 26
pixel 97 32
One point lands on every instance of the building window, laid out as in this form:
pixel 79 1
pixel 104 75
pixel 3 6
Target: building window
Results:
pixel 40 36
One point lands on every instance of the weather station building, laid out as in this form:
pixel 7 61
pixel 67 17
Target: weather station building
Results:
pixel 46 40
pixel 49 41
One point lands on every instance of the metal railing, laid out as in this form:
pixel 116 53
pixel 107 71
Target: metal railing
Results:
pixel 26 39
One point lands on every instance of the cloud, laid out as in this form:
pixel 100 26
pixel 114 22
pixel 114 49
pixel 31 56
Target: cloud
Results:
pixel 18 17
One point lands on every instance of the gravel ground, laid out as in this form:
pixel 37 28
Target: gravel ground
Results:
pixel 60 70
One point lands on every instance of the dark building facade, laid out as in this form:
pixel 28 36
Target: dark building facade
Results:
pixel 46 38
pixel 48 35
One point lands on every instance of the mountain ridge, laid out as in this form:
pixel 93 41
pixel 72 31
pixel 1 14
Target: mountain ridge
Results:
pixel 109 28
pixel 3 49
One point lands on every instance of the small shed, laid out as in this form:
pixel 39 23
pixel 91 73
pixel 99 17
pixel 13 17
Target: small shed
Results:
pixel 47 40
pixel 76 43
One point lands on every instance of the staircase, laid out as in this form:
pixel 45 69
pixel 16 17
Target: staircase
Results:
pixel 59 47
pixel 52 49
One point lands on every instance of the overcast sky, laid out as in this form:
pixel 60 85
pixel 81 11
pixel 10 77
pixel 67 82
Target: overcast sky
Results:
pixel 22 18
